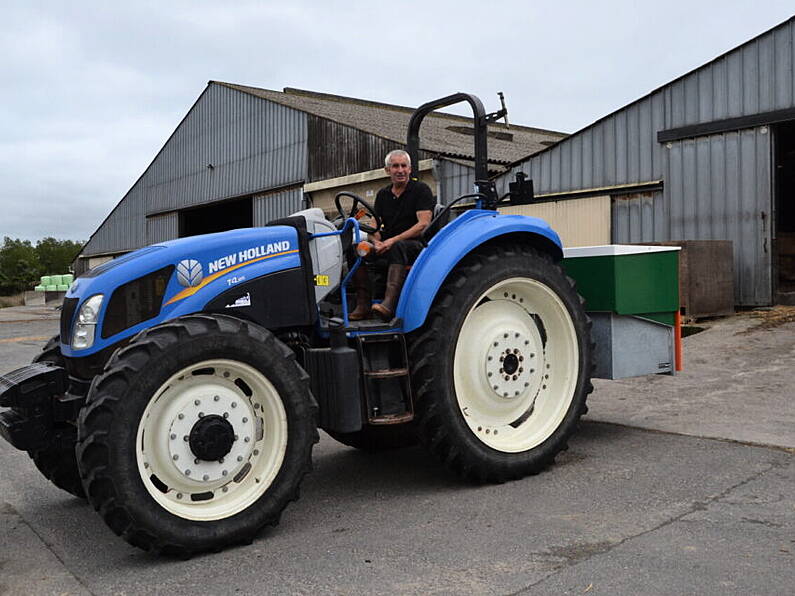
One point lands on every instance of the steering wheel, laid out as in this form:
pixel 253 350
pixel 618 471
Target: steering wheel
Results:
pixel 368 210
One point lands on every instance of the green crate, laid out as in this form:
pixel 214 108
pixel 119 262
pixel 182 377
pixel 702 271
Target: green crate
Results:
pixel 45 280
pixel 626 279
pixel 51 288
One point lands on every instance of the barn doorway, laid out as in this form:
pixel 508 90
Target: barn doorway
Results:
pixel 218 217
pixel 785 211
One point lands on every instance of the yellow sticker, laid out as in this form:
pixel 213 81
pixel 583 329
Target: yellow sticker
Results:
pixel 321 280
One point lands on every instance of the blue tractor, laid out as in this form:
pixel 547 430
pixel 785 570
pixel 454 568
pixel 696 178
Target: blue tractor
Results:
pixel 184 393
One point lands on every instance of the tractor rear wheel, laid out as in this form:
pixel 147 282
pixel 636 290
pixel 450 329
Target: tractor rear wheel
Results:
pixel 57 461
pixel 501 369
pixel 197 435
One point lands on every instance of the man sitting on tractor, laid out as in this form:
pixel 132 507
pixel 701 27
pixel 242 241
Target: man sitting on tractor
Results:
pixel 405 208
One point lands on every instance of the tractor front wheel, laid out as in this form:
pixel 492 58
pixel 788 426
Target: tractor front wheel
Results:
pixel 501 369
pixel 197 435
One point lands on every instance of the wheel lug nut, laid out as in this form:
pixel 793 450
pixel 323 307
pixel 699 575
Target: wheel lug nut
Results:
pixel 173 436
pixel 226 414
pixel 245 420
pixel 216 397
pixel 489 374
pixel 256 452
pixel 239 458
pixel 201 414
pixel 516 350
pixel 225 489
pixel 495 387
pixel 221 460
pixel 196 402
pixel 224 473
pixel 186 438
pixel 196 461
pixel 516 335
pixel 179 495
pixel 205 477
pixel 234 404
pixel 247 439
pixel 180 416
pixel 514 377
pixel 496 343
pixel 527 384
pixel 490 358
pixel 505 335
pixel 187 472
pixel 235 437
pixel 175 457
pixel 505 394
pixel 521 358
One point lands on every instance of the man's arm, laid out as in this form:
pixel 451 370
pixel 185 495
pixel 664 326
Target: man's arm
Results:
pixel 415 231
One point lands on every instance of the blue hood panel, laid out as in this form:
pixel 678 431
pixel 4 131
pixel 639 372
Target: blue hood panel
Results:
pixel 204 266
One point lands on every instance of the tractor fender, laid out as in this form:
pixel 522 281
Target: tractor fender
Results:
pixel 452 243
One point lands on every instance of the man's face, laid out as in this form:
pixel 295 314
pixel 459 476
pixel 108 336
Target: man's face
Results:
pixel 399 170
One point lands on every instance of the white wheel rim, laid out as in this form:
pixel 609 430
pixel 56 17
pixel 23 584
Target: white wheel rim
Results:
pixel 515 404
pixel 174 477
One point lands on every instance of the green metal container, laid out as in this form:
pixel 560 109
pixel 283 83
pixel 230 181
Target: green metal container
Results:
pixel 45 280
pixel 627 279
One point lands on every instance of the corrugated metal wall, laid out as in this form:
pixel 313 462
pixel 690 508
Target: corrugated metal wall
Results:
pixel 160 228
pixel 252 144
pixel 455 179
pixel 275 205
pixel 338 150
pixel 715 187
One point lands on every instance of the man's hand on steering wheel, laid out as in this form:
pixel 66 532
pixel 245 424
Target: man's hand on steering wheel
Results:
pixel 357 214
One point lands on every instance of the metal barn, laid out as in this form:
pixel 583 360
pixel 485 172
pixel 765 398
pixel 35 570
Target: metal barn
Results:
pixel 243 156
pixel 709 156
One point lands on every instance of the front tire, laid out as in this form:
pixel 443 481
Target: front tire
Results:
pixel 197 435
pixel 501 369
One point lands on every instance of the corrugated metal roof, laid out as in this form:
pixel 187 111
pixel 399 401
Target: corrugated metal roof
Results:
pixel 443 134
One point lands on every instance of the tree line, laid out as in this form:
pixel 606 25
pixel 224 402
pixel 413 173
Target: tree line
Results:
pixel 22 263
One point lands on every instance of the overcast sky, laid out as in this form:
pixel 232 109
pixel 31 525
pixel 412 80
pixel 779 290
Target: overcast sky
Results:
pixel 91 91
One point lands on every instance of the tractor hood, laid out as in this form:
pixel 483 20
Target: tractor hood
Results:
pixel 171 279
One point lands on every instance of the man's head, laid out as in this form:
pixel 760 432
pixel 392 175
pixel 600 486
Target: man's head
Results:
pixel 398 166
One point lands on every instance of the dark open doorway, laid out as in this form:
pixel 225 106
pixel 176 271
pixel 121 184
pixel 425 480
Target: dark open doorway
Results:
pixel 218 217
pixel 785 211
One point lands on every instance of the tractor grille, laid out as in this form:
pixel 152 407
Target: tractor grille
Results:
pixel 67 314
pixel 135 302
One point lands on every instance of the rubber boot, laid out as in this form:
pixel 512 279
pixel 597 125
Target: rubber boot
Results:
pixel 395 276
pixel 364 297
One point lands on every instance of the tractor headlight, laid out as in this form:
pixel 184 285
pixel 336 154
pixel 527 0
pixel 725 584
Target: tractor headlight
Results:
pixel 86 324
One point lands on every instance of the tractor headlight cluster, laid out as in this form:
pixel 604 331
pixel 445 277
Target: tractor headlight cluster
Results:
pixel 86 323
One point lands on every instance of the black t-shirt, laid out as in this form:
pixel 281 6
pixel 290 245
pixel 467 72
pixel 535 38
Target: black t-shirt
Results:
pixel 398 214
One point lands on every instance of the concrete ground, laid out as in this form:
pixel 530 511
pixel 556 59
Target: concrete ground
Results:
pixel 674 485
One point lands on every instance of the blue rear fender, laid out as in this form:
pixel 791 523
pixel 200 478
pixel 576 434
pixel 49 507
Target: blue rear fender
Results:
pixel 452 243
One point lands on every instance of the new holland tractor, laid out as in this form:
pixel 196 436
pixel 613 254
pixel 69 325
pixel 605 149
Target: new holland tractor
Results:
pixel 184 393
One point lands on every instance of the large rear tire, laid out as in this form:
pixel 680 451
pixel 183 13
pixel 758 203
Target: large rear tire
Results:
pixel 57 461
pixel 197 435
pixel 501 368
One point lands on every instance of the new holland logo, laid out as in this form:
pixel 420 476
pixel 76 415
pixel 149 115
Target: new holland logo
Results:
pixel 189 273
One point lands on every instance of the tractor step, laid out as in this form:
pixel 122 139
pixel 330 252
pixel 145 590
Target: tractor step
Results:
pixel 385 378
